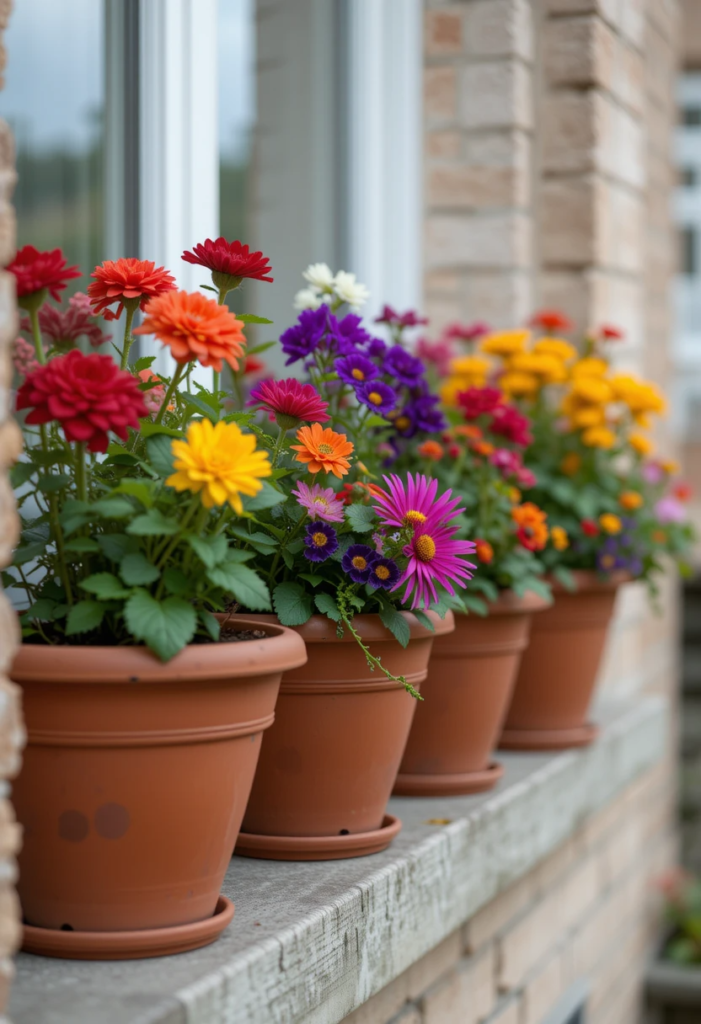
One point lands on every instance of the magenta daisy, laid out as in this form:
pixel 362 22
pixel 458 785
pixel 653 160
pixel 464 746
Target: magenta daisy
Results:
pixel 434 560
pixel 289 402
pixel 320 502
pixel 416 503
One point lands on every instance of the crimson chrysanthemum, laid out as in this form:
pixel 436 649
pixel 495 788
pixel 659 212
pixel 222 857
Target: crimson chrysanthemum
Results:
pixel 229 262
pixel 34 270
pixel 126 281
pixel 414 504
pixel 88 395
pixel 289 402
pixel 435 559
pixel 195 328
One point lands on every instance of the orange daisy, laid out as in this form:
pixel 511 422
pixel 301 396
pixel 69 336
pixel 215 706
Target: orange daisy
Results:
pixel 322 448
pixel 195 328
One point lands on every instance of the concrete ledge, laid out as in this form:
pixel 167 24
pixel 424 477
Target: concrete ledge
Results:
pixel 311 942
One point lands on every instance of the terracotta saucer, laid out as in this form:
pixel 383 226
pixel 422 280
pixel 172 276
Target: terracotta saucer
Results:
pixel 548 739
pixel 134 945
pixel 448 785
pixel 357 844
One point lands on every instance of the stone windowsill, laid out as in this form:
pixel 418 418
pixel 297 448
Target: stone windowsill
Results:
pixel 311 942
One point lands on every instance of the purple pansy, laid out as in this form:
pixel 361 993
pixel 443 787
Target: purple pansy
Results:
pixel 379 397
pixel 384 573
pixel 304 337
pixel 356 369
pixel 357 562
pixel 421 414
pixel 401 364
pixel 320 541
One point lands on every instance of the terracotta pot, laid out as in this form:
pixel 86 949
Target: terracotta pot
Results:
pixel 558 672
pixel 470 680
pixel 328 765
pixel 135 778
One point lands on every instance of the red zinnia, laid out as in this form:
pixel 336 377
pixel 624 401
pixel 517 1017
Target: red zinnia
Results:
pixel 34 270
pixel 88 395
pixel 124 281
pixel 229 262
pixel 289 402
pixel 551 320
pixel 508 422
pixel 590 528
pixel 478 401
pixel 611 333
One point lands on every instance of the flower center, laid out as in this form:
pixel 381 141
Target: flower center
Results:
pixel 375 397
pixel 382 572
pixel 325 449
pixel 425 548
pixel 358 374
pixel 607 561
pixel 320 539
pixel 414 518
pixel 360 563
pixel 402 422
pixel 321 501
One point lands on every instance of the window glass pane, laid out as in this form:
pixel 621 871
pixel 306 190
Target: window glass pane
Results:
pixel 54 103
pixel 689 177
pixel 691 116
pixel 689 251
pixel 236 42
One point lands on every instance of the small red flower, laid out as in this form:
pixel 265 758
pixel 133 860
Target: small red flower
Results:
pixel 611 333
pixel 289 402
pixel 508 422
pixel 88 395
pixel 454 450
pixel 477 402
pixel 231 260
pixel 253 366
pixel 125 280
pixel 34 270
pixel 551 320
pixel 64 326
pixel 484 551
pixel 682 491
pixel 590 528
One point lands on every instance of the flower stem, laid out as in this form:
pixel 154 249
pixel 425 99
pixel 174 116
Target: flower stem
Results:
pixel 278 447
pixel 56 529
pixel 36 334
pixel 80 481
pixel 128 336
pixel 169 393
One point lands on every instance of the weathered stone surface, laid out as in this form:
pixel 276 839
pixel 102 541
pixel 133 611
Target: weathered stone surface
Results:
pixel 496 95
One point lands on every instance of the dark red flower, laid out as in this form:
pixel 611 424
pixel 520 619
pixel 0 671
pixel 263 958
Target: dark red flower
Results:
pixel 253 366
pixel 465 332
pixel 87 395
pixel 64 326
pixel 34 270
pixel 389 315
pixel 590 528
pixel 477 402
pixel 126 280
pixel 289 402
pixel 551 320
pixel 508 422
pixel 229 262
pixel 611 333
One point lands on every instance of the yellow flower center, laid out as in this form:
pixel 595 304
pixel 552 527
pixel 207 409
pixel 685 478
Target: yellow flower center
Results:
pixel 321 501
pixel 360 563
pixel 425 548
pixel 608 561
pixel 375 397
pixel 382 572
pixel 319 539
pixel 325 449
pixel 358 374
pixel 414 518
pixel 402 422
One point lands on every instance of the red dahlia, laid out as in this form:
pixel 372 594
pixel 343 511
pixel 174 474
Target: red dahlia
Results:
pixel 289 402
pixel 551 320
pixel 65 326
pixel 126 281
pixel 87 395
pixel 34 271
pixel 229 262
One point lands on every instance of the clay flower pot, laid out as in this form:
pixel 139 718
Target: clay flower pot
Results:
pixel 328 765
pixel 134 782
pixel 468 688
pixel 558 671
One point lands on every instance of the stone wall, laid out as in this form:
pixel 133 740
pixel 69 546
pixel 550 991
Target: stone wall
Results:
pixel 11 736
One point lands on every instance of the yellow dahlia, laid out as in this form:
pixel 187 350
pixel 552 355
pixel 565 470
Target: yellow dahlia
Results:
pixel 220 463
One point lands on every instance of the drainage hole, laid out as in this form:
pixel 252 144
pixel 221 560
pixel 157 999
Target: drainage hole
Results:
pixel 344 832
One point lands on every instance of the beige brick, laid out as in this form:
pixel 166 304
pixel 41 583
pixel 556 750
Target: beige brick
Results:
pixel 443 145
pixel 579 51
pixel 628 76
pixel 12 735
pixel 609 9
pixel 543 990
pixel 579 892
pixel 496 95
pixel 500 298
pixel 440 94
pixel 9 524
pixel 571 210
pixel 527 942
pixel 443 31
pixel 494 240
pixel 632 20
pixel 434 964
pixel 499 28
pixel 464 997
pixel 383 1006
pixel 571 129
pixel 472 187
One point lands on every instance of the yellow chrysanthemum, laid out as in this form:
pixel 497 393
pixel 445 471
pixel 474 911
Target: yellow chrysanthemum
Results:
pixel 639 443
pixel 558 536
pixel 630 500
pixel 610 523
pixel 588 416
pixel 571 463
pixel 470 366
pixel 220 463
pixel 599 437
pixel 557 347
pixel 550 369
pixel 506 343
pixel 639 396
pixel 592 390
pixel 517 383
pixel 590 367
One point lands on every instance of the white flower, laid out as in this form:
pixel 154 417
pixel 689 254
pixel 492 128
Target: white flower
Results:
pixel 308 298
pixel 319 276
pixel 349 290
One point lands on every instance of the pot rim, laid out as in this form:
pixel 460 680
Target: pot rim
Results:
pixel 509 603
pixel 320 629
pixel 280 650
pixel 590 579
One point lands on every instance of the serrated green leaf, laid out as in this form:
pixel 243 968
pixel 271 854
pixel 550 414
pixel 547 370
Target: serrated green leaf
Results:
pixel 293 606
pixel 396 624
pixel 26 552
pixel 160 453
pixel 210 623
pixel 84 616
pixel 563 575
pixel 327 606
pixel 143 363
pixel 82 544
pixel 116 545
pixel 153 524
pixel 361 518
pixel 258 540
pixel 201 405
pixel 424 619
pixel 142 490
pixel 21 472
pixel 150 429
pixel 49 483
pixel 43 610
pixel 267 497
pixel 105 586
pixel 475 604
pixel 245 585
pixel 136 570
pixel 165 626
pixel 176 582
pixel 112 508
pixel 311 578
pixel 210 550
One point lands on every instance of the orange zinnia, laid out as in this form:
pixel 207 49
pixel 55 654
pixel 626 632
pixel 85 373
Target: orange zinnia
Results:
pixel 195 328
pixel 322 448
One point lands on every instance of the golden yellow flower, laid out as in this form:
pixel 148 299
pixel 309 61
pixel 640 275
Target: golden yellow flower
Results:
pixel 590 367
pixel 220 463
pixel 559 537
pixel 630 500
pixel 550 369
pixel 506 343
pixel 470 366
pixel 670 466
pixel 599 437
pixel 589 416
pixel 514 495
pixel 557 347
pixel 518 383
pixel 592 390
pixel 639 443
pixel 610 523
pixel 639 396
pixel 571 463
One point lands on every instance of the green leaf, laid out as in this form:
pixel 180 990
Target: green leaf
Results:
pixel 27 552
pixel 267 497
pixel 396 624
pixel 142 490
pixel 361 518
pixel 81 544
pixel 113 508
pixel 250 318
pixel 21 472
pixel 293 606
pixel 176 582
pixel 149 429
pixel 160 453
pixel 258 540
pixel 475 604
pixel 136 570
pixel 327 606
pixel 246 586
pixel 424 620
pixel 563 575
pixel 374 421
pixel 535 585
pixel 105 586
pixel 202 406
pixel 84 616
pixel 43 610
pixel 165 626
pixel 143 363
pixel 116 545
pixel 49 483
pixel 73 514
pixel 311 578
pixel 210 623
pixel 210 550
pixel 263 347
pixel 153 524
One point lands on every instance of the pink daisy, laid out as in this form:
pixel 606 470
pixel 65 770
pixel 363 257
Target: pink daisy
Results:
pixel 320 502
pixel 415 504
pixel 289 402
pixel 435 559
